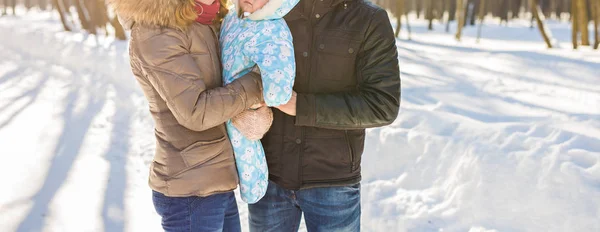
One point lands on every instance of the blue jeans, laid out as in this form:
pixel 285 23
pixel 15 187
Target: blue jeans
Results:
pixel 218 212
pixel 325 209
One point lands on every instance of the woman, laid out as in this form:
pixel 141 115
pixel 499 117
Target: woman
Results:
pixel 174 57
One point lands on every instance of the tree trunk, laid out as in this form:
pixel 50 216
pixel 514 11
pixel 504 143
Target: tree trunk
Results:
pixel 466 11
pixel 408 27
pixel 539 17
pixel 596 10
pixel 43 4
pixel 545 6
pixel 451 12
pixel 93 16
pixel 419 8
pixel 85 23
pixel 582 15
pixel 5 6
pixel 119 32
pixel 503 10
pixel 509 7
pixel 460 8
pixel 559 9
pixel 61 13
pixel 102 12
pixel 439 10
pixel 575 23
pixel 474 8
pixel 552 9
pixel 429 14
pixel 481 17
pixel 516 8
pixel 12 4
pixel 399 14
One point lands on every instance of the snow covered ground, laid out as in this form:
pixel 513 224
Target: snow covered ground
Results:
pixel 498 136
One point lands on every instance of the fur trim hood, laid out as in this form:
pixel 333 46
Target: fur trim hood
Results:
pixel 168 13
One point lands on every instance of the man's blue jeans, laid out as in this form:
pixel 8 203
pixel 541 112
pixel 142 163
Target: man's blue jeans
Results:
pixel 218 212
pixel 325 209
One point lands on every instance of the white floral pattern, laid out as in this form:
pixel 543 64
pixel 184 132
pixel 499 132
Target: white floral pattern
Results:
pixel 268 44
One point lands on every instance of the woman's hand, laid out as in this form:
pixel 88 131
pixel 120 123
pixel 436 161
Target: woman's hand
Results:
pixel 254 124
pixel 290 107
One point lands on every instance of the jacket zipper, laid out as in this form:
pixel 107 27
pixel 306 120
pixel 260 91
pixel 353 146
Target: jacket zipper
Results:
pixel 312 41
pixel 350 151
pixel 300 157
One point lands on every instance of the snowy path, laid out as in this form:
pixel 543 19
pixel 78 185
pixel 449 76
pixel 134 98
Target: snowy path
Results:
pixel 67 127
pixel 503 135
pixel 500 135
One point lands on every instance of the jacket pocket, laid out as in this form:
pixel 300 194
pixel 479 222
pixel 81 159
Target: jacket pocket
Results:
pixel 351 151
pixel 202 151
pixel 336 58
pixel 356 142
pixel 326 159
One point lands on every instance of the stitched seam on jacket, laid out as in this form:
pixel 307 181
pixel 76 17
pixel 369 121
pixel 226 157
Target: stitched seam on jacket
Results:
pixel 162 88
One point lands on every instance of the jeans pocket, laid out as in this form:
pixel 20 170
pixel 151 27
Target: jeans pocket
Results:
pixel 161 203
pixel 352 190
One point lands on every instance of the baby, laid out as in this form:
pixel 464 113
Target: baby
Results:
pixel 255 34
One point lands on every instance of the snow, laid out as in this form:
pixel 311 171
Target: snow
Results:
pixel 503 135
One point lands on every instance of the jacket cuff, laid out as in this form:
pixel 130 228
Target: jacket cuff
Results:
pixel 251 90
pixel 306 110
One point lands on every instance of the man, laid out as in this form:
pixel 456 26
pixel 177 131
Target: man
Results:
pixel 347 80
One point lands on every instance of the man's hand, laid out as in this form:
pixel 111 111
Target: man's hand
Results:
pixel 289 107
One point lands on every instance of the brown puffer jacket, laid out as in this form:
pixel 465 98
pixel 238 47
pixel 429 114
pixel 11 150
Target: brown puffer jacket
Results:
pixel 177 65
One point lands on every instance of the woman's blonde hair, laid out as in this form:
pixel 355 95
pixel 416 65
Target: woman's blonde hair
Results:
pixel 223 11
pixel 186 14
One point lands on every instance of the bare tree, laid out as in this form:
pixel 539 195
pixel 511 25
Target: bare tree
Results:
pixel 451 9
pixel 575 23
pixel 582 15
pixel 596 13
pixel 439 10
pixel 473 8
pixel 92 10
pixel 481 17
pixel 539 18
pixel 28 4
pixel 408 27
pixel 119 32
pixel 399 14
pixel 460 8
pixel 43 4
pixel 419 7
pixel 83 18
pixel 61 13
pixel 9 4
pixel 102 14
pixel 429 14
